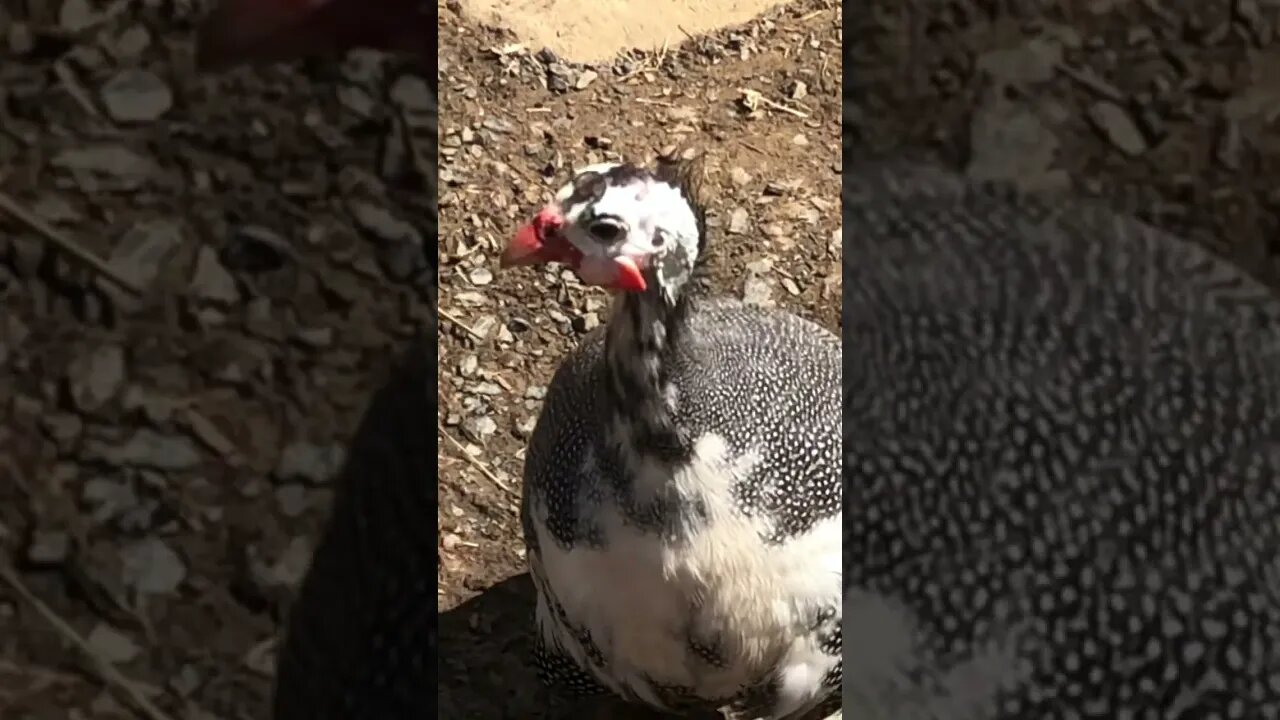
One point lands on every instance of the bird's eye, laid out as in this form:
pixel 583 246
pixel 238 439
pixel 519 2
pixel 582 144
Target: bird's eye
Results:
pixel 606 230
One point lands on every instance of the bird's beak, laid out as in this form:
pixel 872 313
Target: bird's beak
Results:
pixel 525 248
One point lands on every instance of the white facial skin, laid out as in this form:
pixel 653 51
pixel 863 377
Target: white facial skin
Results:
pixel 644 221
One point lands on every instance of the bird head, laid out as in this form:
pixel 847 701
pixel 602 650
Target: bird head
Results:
pixel 619 226
pixel 241 32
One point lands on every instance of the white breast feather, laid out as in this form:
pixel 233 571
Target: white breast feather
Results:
pixel 636 595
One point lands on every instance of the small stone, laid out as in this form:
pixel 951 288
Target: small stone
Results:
pixel 739 221
pixel 147 448
pixel 143 252
pixel 131 42
pixel 1118 127
pixel 739 176
pixel 48 548
pixel 211 282
pixel 106 167
pixel 411 92
pixel 134 95
pixel 151 567
pixel 586 78
pixel 112 645
pixel 287 571
pixel 107 498
pixel 20 39
pixel 1008 142
pixel 292 499
pixel 309 462
pixel 314 337
pixel 479 428
pixel 380 223
pixel 77 15
pixel 757 291
pixel 185 682
pixel 797 90
pixel 356 100
pixel 1229 147
pixel 800 140
pixel 94 377
pixel 63 428
pixel 481 276
pixel 468 366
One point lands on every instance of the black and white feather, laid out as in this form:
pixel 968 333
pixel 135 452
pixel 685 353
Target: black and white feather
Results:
pixel 1062 439
pixel 682 495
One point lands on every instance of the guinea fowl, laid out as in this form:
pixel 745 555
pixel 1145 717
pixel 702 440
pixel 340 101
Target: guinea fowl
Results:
pixel 1062 450
pixel 682 494
pixel 360 641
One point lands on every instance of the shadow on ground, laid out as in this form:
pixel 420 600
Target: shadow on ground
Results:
pixel 486 664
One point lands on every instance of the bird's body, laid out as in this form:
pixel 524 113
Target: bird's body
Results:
pixel 682 488
pixel 1062 450
pixel 696 583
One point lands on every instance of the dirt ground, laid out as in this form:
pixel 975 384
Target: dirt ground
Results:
pixel 165 462
pixel 761 100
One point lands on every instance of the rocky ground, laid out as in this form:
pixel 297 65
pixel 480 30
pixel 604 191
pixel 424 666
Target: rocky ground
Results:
pixel 761 101
pixel 166 451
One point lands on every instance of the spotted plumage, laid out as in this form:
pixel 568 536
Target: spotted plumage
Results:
pixel 682 498
pixel 1062 450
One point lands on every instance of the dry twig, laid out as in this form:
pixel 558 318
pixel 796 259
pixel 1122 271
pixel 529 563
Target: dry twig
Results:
pixel 105 670
pixel 66 244
pixel 474 462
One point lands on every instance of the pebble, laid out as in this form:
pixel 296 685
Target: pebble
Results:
pixel 186 681
pixel 1008 142
pixel 287 571
pixel 63 428
pixel 757 291
pixel 309 462
pixel 134 95
pixel 1034 61
pixel 151 567
pixel 314 337
pixel 739 221
pixel 292 499
pixel 95 377
pixel 147 448
pixel 481 276
pixel 48 548
pixel 412 93
pixel 108 498
pixel 382 225
pixel 144 250
pixel 211 282
pixel 105 167
pixel 131 42
pixel 585 79
pixel 20 39
pixel 479 428
pixel 1118 127
pixel 77 15
pixel 112 645
pixel 739 176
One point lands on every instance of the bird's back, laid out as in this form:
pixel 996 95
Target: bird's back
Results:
pixel 1062 452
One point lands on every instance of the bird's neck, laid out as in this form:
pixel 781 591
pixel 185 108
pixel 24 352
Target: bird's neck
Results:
pixel 643 328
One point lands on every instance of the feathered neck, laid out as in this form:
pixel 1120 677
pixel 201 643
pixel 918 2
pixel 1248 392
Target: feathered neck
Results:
pixel 642 332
